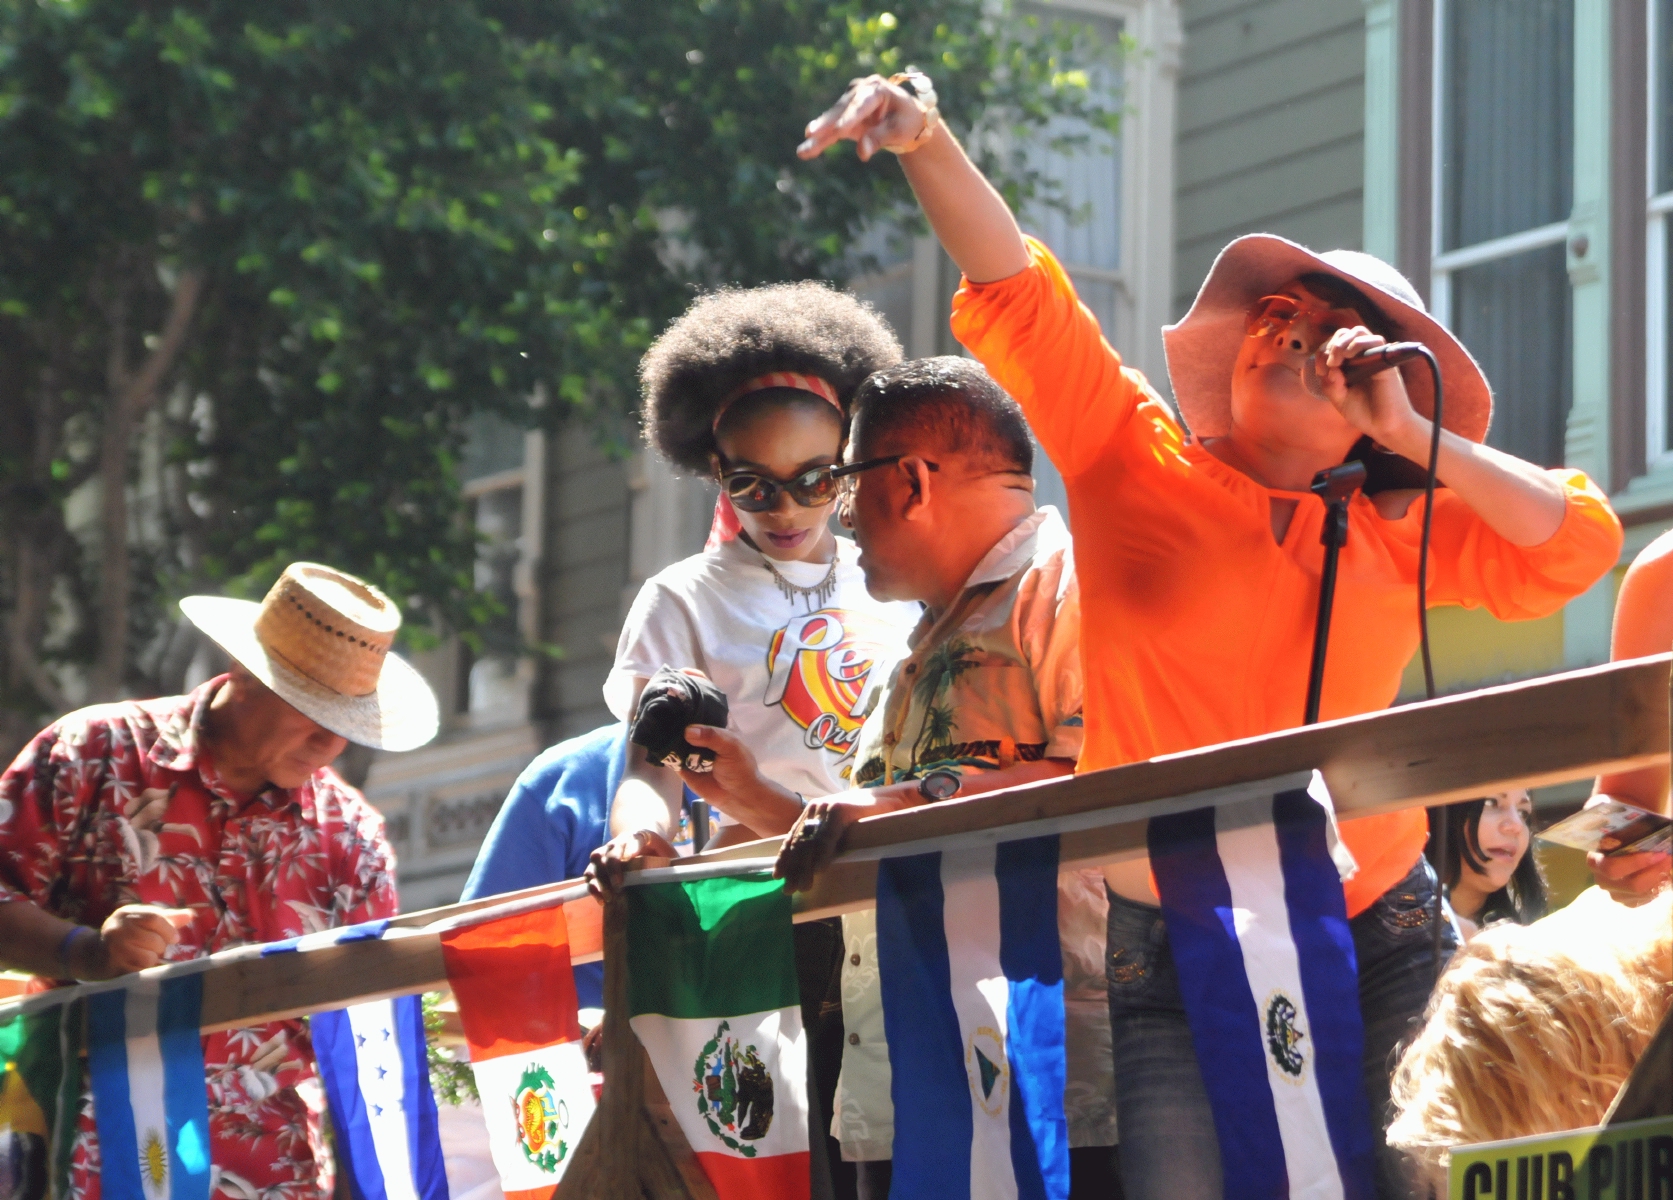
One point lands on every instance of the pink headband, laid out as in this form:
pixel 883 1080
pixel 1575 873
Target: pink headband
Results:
pixel 725 526
pixel 779 379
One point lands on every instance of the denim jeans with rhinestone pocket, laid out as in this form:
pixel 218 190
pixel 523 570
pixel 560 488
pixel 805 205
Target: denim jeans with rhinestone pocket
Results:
pixel 1168 1145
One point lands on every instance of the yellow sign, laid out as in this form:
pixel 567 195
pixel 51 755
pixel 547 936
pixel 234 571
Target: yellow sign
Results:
pixel 1625 1162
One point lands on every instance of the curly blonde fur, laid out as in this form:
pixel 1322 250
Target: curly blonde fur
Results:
pixel 1533 1029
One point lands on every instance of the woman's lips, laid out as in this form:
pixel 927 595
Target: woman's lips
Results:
pixel 787 541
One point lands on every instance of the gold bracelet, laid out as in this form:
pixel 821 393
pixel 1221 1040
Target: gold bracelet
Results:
pixel 923 94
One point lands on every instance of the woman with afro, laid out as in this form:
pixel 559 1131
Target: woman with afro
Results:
pixel 750 387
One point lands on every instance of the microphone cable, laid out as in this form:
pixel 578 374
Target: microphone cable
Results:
pixel 1438 916
pixel 1359 370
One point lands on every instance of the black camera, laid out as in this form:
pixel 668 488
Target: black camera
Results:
pixel 671 701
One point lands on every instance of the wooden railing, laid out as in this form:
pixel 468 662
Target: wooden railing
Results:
pixel 1544 731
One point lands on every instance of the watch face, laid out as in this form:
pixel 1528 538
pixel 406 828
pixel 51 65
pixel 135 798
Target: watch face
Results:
pixel 940 785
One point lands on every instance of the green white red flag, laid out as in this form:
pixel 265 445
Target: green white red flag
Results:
pixel 516 995
pixel 713 997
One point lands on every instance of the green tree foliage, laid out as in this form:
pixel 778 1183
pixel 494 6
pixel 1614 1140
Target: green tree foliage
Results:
pixel 258 264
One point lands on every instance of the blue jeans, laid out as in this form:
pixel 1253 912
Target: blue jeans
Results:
pixel 1168 1145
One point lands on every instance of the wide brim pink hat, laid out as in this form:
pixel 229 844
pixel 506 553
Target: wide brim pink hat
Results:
pixel 1202 349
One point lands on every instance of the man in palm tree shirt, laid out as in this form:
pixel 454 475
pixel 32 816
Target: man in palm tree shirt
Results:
pixel 988 696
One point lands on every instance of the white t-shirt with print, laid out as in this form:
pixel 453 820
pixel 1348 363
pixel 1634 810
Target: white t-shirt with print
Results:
pixel 799 674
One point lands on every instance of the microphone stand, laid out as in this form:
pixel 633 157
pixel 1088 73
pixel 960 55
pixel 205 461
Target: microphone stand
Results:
pixel 1336 487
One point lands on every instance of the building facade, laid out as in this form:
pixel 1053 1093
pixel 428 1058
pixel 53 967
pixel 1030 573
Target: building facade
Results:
pixel 1513 157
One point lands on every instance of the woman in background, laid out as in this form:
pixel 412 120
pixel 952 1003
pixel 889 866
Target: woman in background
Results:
pixel 1490 873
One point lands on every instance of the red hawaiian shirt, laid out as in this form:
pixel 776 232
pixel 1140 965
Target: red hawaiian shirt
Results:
pixel 120 804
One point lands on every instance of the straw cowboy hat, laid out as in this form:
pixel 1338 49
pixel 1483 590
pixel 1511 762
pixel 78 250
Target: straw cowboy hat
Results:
pixel 321 641
pixel 1202 349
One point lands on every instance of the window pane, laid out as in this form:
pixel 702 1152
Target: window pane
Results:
pixel 1509 127
pixel 492 444
pixel 1089 235
pixel 1513 314
pixel 1664 96
pixel 499 524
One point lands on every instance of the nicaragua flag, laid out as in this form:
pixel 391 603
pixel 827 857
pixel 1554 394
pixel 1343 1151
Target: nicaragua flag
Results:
pixel 972 980
pixel 1259 930
pixel 372 1058
pixel 150 1098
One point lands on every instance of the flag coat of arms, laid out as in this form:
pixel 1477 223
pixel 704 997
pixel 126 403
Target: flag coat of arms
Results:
pixel 972 978
pixel 38 1101
pixel 373 1059
pixel 713 998
pixel 516 994
pixel 1259 930
pixel 150 1098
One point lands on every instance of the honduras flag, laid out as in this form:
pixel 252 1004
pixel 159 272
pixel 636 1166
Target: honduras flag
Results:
pixel 1259 929
pixel 377 1079
pixel 150 1099
pixel 972 981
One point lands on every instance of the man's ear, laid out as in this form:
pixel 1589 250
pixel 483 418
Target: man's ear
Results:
pixel 918 496
pixel 714 464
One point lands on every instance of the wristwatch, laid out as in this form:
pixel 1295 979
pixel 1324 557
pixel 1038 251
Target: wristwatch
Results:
pixel 940 784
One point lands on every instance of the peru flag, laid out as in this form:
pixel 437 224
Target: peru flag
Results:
pixel 516 995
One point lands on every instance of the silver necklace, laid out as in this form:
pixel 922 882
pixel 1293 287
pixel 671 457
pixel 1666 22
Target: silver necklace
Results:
pixel 817 595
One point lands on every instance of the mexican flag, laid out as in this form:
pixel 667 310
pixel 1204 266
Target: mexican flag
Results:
pixel 516 995
pixel 39 1100
pixel 712 995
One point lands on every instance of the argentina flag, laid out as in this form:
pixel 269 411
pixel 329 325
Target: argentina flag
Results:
pixel 150 1099
pixel 377 1079
pixel 1259 929
pixel 972 981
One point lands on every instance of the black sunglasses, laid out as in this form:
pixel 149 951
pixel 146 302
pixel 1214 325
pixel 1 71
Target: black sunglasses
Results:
pixel 754 492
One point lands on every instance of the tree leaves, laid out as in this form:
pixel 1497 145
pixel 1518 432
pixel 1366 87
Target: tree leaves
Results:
pixel 404 214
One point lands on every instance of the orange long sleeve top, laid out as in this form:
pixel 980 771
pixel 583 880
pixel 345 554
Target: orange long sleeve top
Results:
pixel 1198 625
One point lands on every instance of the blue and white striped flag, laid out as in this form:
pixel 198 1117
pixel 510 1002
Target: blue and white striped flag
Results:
pixel 1259 930
pixel 377 1079
pixel 150 1098
pixel 972 980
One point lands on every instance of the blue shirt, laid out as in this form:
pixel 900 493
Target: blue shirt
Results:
pixel 557 814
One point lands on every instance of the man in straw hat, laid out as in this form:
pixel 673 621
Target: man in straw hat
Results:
pixel 1199 553
pixel 153 831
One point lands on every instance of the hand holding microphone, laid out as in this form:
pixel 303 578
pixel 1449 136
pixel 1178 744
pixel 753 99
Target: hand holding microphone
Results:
pixel 1378 359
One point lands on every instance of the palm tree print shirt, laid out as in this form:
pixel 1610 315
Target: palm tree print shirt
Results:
pixel 993 681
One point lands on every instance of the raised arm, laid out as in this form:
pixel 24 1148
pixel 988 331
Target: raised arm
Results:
pixel 967 214
pixel 1643 625
pixel 1016 311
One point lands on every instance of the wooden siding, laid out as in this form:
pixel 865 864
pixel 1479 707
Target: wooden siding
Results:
pixel 584 572
pixel 1271 128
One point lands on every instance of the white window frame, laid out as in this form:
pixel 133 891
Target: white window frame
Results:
pixel 1143 282
pixel 1444 263
pixel 1658 452
pixel 528 478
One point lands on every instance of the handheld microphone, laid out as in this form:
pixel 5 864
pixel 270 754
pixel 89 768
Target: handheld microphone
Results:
pixel 1358 370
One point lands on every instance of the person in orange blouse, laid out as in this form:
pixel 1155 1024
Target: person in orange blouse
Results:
pixel 1643 625
pixel 1199 552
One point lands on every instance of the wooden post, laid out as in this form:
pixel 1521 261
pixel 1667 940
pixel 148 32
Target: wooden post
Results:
pixel 620 1117
pixel 666 1133
pixel 639 1151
